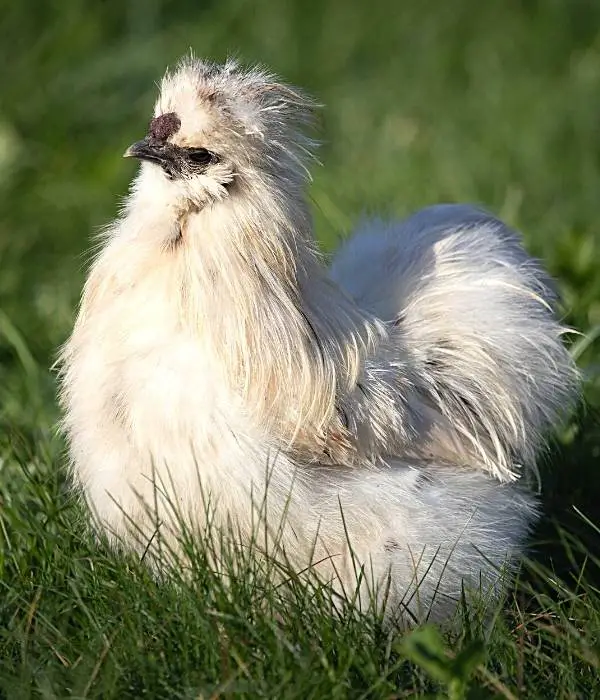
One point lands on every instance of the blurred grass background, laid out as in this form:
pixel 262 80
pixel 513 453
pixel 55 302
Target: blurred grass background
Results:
pixel 493 103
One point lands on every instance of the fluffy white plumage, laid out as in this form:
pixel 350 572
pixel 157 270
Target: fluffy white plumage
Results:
pixel 406 387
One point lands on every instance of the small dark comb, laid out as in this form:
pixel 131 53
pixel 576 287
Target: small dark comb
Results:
pixel 164 126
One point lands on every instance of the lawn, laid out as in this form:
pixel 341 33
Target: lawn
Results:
pixel 493 103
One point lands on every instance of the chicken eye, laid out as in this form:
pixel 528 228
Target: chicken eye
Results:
pixel 200 156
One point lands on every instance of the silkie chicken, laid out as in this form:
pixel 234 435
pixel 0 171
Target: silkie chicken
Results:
pixel 383 407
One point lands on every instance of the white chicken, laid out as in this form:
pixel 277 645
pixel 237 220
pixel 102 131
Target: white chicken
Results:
pixel 382 408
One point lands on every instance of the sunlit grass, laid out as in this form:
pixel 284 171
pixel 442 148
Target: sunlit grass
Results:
pixel 78 620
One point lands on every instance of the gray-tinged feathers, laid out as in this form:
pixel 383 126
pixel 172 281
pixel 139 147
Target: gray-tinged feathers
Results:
pixel 471 315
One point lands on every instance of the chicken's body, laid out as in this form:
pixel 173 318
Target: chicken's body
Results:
pixel 386 399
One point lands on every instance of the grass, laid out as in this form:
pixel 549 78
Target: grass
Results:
pixel 79 621
pixel 431 101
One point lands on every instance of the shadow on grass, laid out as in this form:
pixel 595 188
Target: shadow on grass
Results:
pixel 563 539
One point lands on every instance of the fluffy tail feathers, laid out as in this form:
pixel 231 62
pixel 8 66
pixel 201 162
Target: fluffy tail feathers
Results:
pixel 473 315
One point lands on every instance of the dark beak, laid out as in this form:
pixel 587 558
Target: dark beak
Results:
pixel 162 153
pixel 151 150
